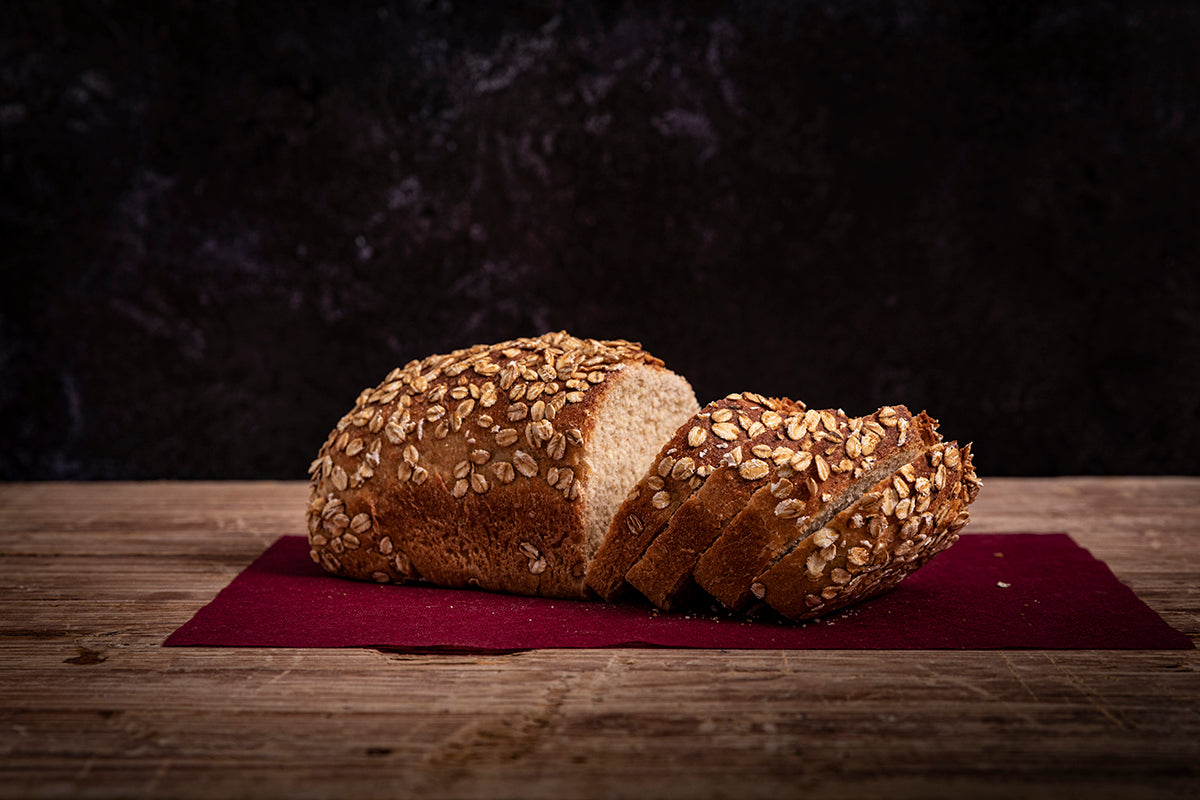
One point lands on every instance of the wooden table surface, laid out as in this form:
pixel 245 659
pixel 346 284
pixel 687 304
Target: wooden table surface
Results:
pixel 95 576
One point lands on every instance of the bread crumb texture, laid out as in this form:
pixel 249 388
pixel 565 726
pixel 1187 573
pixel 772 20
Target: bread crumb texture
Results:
pixel 497 466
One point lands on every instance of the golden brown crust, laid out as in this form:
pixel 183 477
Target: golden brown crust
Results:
pixel 467 468
pixel 722 430
pixel 905 520
pixel 844 457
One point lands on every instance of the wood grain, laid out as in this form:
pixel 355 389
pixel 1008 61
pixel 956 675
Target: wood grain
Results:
pixel 95 576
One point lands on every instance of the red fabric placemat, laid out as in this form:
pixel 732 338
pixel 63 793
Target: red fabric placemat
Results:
pixel 989 591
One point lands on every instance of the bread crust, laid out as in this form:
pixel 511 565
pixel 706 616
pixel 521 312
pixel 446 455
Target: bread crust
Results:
pixel 469 469
pixel 895 528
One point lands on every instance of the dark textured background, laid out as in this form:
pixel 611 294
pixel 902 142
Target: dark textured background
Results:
pixel 219 220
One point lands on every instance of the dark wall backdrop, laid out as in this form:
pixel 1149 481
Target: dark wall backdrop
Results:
pixel 221 220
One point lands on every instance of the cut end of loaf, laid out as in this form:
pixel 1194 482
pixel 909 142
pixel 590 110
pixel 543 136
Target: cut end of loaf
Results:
pixel 645 407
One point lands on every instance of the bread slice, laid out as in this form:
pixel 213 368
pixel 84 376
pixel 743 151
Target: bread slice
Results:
pixel 498 466
pixel 896 527
pixel 842 458
pixel 680 469
pixel 664 572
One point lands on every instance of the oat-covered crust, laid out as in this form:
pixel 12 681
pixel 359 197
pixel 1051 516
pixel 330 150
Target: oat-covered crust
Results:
pixel 905 520
pixel 723 434
pixel 838 458
pixel 467 468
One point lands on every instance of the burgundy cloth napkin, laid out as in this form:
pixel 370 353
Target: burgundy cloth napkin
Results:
pixel 989 591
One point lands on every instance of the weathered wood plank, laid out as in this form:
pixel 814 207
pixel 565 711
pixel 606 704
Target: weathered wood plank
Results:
pixel 95 576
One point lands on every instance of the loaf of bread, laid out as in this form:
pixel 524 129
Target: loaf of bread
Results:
pixel 567 467
pixel 498 466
